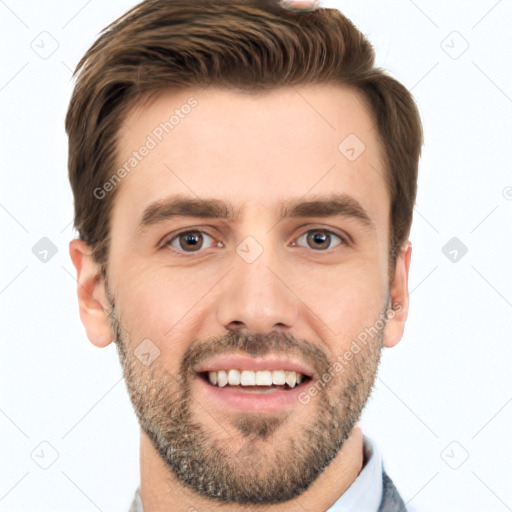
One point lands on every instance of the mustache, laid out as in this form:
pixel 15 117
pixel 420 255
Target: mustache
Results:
pixel 254 345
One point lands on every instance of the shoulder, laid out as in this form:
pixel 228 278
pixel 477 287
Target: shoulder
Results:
pixel 391 500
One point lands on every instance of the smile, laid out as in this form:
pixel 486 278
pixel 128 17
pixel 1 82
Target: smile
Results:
pixel 260 391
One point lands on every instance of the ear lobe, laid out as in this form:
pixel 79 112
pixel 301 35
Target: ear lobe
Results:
pixel 92 299
pixel 399 298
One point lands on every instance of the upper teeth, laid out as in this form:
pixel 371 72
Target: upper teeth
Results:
pixel 259 378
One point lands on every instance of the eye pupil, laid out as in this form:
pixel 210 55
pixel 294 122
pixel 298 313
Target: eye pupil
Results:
pixel 191 237
pixel 320 237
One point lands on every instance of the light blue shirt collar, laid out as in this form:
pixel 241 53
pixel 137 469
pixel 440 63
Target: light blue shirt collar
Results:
pixel 365 493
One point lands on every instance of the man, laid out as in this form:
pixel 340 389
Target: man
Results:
pixel 244 182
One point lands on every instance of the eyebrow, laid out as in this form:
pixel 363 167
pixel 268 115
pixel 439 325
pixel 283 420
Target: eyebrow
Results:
pixel 320 206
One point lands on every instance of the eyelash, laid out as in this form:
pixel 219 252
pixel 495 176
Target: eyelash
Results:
pixel 167 244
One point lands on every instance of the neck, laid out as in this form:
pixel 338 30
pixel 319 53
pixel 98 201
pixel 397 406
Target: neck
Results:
pixel 160 490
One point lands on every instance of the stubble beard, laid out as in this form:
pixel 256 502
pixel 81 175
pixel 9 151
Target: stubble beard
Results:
pixel 271 459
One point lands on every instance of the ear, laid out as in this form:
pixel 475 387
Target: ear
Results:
pixel 399 298
pixel 92 300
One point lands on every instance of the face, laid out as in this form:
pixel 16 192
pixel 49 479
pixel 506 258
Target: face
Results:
pixel 288 260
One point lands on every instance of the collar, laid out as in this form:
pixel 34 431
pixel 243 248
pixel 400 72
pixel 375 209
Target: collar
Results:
pixel 365 493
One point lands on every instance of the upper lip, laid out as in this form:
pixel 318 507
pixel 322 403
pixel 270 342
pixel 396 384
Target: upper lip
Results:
pixel 232 361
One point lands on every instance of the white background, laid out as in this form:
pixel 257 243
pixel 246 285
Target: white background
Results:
pixel 443 394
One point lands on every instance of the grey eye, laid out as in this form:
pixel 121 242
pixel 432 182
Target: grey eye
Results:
pixel 319 239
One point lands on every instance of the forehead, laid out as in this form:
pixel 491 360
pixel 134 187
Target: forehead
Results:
pixel 250 149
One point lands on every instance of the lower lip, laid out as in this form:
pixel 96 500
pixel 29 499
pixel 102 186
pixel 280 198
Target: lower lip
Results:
pixel 254 402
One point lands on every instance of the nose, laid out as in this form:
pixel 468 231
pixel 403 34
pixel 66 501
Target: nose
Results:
pixel 256 297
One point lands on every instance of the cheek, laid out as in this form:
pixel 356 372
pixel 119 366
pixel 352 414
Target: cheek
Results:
pixel 346 299
pixel 159 304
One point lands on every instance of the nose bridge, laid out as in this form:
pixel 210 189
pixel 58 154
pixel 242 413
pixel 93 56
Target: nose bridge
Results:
pixel 254 296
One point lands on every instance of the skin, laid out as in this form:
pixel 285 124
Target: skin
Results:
pixel 296 300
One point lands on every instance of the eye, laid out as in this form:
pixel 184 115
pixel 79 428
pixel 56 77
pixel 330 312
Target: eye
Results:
pixel 190 241
pixel 320 239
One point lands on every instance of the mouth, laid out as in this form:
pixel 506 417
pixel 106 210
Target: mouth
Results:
pixel 246 383
pixel 257 384
pixel 259 398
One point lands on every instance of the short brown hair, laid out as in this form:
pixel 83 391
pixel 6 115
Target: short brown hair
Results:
pixel 250 45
